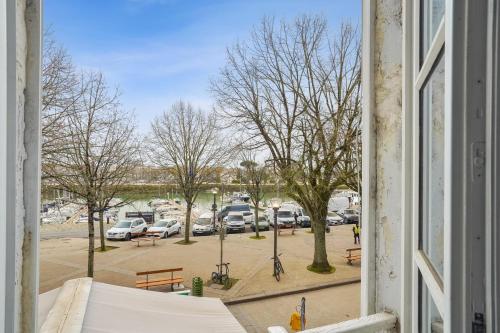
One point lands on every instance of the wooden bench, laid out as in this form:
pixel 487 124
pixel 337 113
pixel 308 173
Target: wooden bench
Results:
pixel 143 236
pixel 350 256
pixel 172 280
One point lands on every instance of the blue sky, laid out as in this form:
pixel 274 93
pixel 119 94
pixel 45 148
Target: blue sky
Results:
pixel 160 51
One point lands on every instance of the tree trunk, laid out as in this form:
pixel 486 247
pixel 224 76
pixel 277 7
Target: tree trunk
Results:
pixel 320 261
pixel 256 217
pixel 90 222
pixel 188 222
pixel 101 230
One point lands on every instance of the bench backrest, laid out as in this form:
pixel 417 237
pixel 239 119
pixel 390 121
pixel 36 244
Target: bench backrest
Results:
pixel 160 271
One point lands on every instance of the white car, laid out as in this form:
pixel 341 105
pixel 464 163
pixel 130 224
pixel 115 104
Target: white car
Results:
pixel 303 219
pixel 204 225
pixel 166 227
pixel 234 222
pixel 126 229
pixel 248 217
pixel 285 218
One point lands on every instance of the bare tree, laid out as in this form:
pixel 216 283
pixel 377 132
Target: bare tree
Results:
pixel 350 167
pixel 295 91
pixel 190 142
pixel 59 93
pixel 255 175
pixel 98 152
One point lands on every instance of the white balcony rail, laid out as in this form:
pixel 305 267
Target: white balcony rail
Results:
pixel 379 322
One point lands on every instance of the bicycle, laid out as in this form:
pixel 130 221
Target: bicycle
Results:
pixel 219 277
pixel 278 268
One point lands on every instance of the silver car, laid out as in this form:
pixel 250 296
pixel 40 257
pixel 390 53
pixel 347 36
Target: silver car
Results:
pixel 334 219
pixel 235 222
pixel 263 224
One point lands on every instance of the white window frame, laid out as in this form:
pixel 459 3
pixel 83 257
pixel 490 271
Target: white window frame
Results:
pixel 464 257
pixel 3 157
pixel 368 262
pixel 421 73
pixel 493 170
pixel 465 78
pixel 8 104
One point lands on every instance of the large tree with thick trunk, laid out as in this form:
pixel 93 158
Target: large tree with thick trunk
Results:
pixel 189 143
pixel 294 90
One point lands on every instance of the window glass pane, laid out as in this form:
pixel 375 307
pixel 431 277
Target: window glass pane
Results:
pixel 432 14
pixel 429 318
pixel 432 166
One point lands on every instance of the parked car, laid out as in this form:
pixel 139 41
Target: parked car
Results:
pixel 233 208
pixel 333 218
pixel 166 227
pixel 285 218
pixel 204 225
pixel 303 220
pixel 350 216
pixel 248 217
pixel 263 224
pixel 234 222
pixel 125 229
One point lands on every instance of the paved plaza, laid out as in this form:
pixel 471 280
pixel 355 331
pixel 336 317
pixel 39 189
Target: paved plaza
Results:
pixel 250 262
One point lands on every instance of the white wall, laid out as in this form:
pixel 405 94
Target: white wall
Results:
pixel 388 122
pixel 20 28
pixel 382 156
pixel 3 154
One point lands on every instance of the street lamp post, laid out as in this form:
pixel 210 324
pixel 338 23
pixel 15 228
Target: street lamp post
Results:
pixel 214 206
pixel 221 231
pixel 276 205
pixel 221 236
pixel 220 276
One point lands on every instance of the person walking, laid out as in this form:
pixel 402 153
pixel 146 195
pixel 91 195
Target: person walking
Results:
pixel 296 218
pixel 356 230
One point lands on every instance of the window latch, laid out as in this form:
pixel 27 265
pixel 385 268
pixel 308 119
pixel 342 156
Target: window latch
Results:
pixel 478 161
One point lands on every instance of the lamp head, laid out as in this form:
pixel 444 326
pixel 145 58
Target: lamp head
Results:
pixel 275 203
pixel 214 191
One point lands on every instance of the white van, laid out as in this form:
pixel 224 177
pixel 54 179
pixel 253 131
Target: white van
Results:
pixel 285 217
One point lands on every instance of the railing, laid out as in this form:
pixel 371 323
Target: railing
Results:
pixel 379 322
